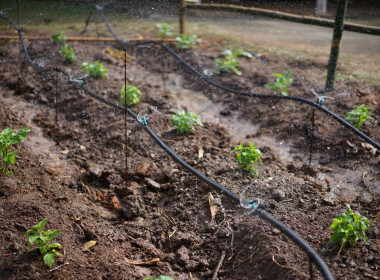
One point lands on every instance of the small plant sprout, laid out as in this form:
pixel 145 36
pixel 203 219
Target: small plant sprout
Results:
pixel 247 157
pixel 359 115
pixel 348 228
pixel 282 82
pixel 185 42
pixel 7 138
pixel 58 37
pixel 43 241
pixel 68 53
pixel 164 30
pixel 96 70
pixel 133 95
pixel 229 63
pixel 185 121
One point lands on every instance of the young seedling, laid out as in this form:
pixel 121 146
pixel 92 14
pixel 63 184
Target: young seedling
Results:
pixel 68 53
pixel 359 115
pixel 247 157
pixel 282 82
pixel 7 138
pixel 43 241
pixel 133 95
pixel 229 63
pixel 348 228
pixel 185 121
pixel 164 30
pixel 58 37
pixel 185 42
pixel 161 277
pixel 96 70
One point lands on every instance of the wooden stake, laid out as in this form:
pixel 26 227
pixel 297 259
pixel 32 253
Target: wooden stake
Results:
pixel 182 17
pixel 335 44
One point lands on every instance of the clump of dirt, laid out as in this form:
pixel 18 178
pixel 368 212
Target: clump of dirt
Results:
pixel 72 171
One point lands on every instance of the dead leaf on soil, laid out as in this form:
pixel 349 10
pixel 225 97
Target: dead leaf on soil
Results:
pixel 369 147
pixel 151 262
pixel 64 152
pixel 213 208
pixel 200 150
pixel 86 246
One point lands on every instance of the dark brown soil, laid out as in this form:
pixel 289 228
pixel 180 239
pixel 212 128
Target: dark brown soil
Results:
pixel 73 172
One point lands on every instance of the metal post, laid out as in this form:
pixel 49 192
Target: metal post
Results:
pixel 182 17
pixel 337 36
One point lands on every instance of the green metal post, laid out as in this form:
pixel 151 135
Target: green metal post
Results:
pixel 335 44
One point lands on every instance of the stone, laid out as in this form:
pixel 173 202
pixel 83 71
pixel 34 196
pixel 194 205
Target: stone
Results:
pixel 143 169
pixel 115 203
pixel 278 194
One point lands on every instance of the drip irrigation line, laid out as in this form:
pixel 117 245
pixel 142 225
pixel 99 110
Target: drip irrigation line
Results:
pixel 261 213
pixel 268 96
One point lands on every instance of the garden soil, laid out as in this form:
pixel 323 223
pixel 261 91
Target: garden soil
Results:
pixel 148 215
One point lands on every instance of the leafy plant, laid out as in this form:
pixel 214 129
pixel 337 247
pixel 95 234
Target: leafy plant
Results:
pixel 133 95
pixel 96 70
pixel 161 277
pixel 359 115
pixel 7 138
pixel 43 240
pixel 229 63
pixel 349 228
pixel 185 121
pixel 185 42
pixel 247 157
pixel 58 37
pixel 282 82
pixel 164 30
pixel 68 53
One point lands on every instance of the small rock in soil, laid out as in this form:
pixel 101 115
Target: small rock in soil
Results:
pixel 115 203
pixel 278 195
pixel 153 184
pixel 143 168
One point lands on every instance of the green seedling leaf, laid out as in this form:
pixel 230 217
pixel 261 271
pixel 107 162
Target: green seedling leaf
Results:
pixel 358 116
pixel 8 138
pixel 96 70
pixel 42 240
pixel 49 259
pixel 164 30
pixel 58 37
pixel 229 63
pixel 282 82
pixel 68 53
pixel 133 95
pixel 185 121
pixel 348 228
pixel 247 157
pixel 164 277
pixel 185 42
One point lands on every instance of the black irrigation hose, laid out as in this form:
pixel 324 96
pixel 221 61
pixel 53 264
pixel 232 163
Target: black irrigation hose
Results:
pixel 259 212
pixel 268 96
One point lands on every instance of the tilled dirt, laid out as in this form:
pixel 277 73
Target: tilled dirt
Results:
pixel 72 171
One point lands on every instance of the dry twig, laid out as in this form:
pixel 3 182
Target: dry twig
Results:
pixel 215 275
pixel 288 267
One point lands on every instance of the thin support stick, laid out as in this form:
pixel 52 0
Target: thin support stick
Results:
pixel 56 98
pixel 125 117
pixel 182 17
pixel 215 275
pixel 311 136
pixel 19 79
pixel 311 272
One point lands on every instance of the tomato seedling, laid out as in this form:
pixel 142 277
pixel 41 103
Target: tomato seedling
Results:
pixel 68 53
pixel 282 82
pixel 164 30
pixel 58 37
pixel 43 241
pixel 185 121
pixel 247 157
pixel 133 95
pixel 8 138
pixel 229 63
pixel 96 70
pixel 185 42
pixel 349 228
pixel 359 116
pixel 161 277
